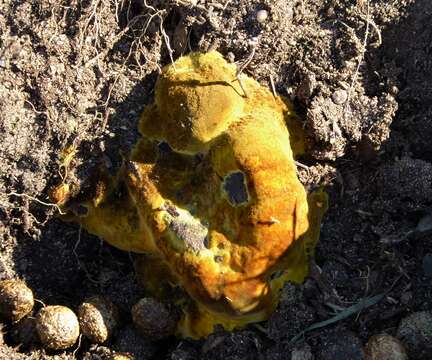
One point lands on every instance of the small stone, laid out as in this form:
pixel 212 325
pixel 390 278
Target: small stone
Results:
pixel 415 331
pixel 98 317
pixel 261 16
pixel 384 347
pixel 16 299
pixel 154 319
pixel 339 96
pixel 394 90
pixel 57 327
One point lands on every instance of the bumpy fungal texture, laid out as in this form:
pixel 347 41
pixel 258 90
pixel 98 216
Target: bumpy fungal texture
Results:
pixel 211 196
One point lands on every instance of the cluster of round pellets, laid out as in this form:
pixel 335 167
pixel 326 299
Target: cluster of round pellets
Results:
pixel 57 327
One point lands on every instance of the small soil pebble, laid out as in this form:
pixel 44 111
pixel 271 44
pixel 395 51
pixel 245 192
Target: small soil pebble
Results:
pixel 415 331
pixel 339 96
pixel 98 317
pixel 384 347
pixel 57 327
pixel 262 16
pixel 16 299
pixel 154 319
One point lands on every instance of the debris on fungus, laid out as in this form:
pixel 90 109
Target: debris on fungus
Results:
pixel 211 196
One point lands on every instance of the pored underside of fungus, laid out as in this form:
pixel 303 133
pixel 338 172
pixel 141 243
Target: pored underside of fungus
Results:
pixel 210 197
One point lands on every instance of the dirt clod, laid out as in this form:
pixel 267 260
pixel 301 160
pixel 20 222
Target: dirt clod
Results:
pixel 16 299
pixel 98 318
pixel 57 327
pixel 153 319
pixel 262 16
pixel 384 347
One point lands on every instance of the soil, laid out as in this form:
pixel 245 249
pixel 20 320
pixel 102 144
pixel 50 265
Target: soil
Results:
pixel 74 77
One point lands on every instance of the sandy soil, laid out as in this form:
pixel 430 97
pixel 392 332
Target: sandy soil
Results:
pixel 76 75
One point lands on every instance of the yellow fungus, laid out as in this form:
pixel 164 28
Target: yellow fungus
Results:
pixel 211 196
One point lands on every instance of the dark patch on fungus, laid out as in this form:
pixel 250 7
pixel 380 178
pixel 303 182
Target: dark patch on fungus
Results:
pixel 235 188
pixel 171 210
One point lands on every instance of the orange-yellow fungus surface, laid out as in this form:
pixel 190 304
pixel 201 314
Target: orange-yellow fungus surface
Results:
pixel 211 197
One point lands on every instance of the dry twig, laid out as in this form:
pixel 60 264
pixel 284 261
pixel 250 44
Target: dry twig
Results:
pixel 243 66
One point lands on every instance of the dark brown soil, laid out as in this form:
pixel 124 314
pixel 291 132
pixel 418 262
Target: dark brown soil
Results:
pixel 76 75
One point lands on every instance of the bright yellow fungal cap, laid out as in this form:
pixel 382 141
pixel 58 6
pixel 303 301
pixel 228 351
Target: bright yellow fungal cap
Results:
pixel 229 226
